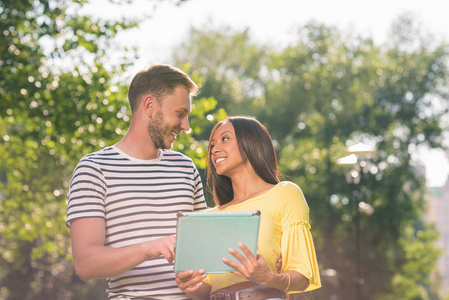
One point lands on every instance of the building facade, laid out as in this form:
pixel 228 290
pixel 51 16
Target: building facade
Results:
pixel 438 213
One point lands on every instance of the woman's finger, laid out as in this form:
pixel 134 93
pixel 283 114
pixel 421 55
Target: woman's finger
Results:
pixel 238 274
pixel 279 265
pixel 190 278
pixel 184 275
pixel 248 253
pixel 237 255
pixel 193 287
pixel 232 263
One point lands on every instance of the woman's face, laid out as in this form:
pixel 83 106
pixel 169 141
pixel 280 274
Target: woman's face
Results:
pixel 225 155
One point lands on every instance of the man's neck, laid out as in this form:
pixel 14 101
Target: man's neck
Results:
pixel 138 148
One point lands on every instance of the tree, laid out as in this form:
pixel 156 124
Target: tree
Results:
pixel 48 116
pixel 61 98
pixel 355 90
pixel 230 72
pixel 316 94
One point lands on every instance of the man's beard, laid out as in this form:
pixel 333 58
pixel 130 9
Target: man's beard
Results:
pixel 157 129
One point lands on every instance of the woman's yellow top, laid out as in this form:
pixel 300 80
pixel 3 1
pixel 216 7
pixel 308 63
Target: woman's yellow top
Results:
pixel 284 229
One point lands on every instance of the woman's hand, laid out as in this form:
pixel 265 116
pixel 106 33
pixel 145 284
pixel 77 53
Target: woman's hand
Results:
pixel 256 270
pixel 190 281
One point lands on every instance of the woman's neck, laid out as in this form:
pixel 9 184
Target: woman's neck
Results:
pixel 247 187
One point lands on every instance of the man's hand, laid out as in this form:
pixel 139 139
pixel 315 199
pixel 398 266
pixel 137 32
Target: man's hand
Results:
pixel 163 246
pixel 92 259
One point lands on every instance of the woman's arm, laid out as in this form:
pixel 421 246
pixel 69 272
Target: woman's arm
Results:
pixel 287 281
pixel 298 282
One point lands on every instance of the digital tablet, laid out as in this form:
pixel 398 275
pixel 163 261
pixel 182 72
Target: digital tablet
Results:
pixel 203 239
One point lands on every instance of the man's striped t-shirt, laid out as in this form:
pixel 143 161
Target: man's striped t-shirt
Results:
pixel 139 200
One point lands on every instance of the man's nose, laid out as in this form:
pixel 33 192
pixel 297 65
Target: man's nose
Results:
pixel 185 124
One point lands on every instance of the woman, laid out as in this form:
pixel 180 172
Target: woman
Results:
pixel 242 172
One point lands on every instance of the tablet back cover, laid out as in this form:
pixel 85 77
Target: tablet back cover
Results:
pixel 203 239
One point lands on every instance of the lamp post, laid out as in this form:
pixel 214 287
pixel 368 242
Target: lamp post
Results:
pixel 357 158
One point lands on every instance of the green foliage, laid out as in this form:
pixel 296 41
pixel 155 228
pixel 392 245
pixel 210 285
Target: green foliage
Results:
pixel 193 144
pixel 202 118
pixel 412 281
pixel 322 90
pixel 58 102
pixel 229 72
pixel 61 100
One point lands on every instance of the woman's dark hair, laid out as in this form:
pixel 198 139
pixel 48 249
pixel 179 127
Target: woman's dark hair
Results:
pixel 255 144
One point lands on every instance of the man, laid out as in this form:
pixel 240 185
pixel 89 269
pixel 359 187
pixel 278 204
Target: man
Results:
pixel 123 199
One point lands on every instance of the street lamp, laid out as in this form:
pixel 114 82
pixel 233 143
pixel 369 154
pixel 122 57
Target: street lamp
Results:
pixel 358 154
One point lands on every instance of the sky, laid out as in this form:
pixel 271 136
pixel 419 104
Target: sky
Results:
pixel 274 22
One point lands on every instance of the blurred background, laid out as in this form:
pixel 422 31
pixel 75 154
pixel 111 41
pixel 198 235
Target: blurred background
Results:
pixel 355 95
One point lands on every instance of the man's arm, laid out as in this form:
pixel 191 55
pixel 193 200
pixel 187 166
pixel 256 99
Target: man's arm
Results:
pixel 92 259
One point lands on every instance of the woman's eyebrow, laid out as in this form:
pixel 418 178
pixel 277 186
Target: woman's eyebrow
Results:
pixel 221 135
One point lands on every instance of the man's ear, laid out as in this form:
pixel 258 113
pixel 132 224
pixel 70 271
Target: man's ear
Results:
pixel 148 104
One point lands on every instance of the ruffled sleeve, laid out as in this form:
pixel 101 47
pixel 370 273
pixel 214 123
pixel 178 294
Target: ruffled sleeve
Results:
pixel 298 250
